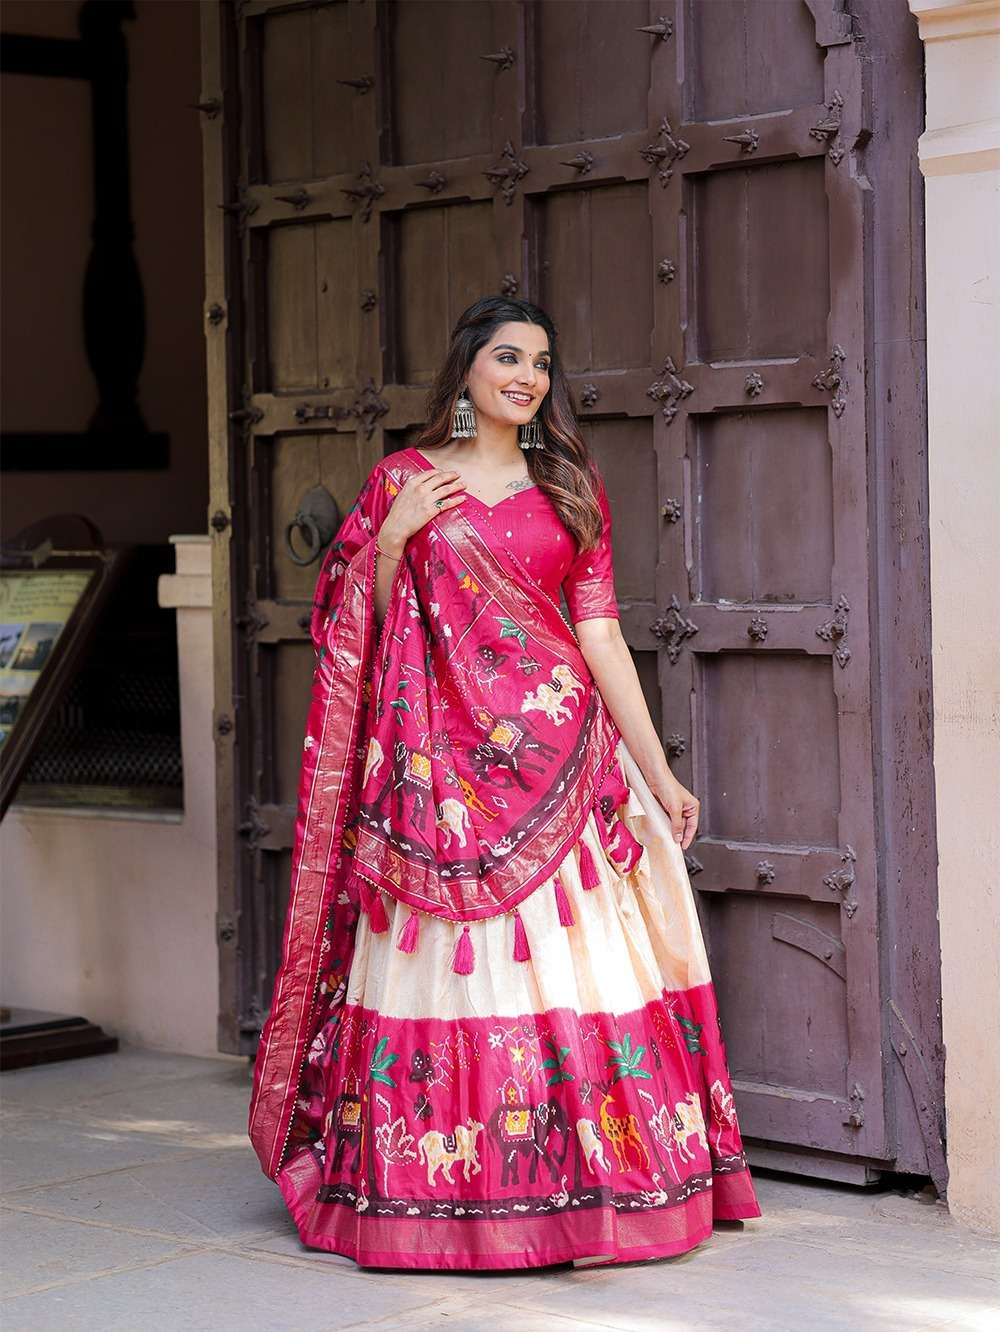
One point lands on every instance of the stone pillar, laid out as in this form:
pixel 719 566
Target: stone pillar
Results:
pixel 960 161
pixel 189 591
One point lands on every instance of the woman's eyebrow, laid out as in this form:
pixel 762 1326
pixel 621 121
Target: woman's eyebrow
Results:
pixel 509 346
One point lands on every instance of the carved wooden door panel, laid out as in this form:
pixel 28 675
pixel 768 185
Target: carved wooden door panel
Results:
pixel 370 196
pixel 675 182
pixel 764 580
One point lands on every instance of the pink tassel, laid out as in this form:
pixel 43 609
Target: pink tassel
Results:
pixel 411 934
pixel 522 953
pixel 365 892
pixel 588 870
pixel 465 959
pixel 378 921
pixel 562 903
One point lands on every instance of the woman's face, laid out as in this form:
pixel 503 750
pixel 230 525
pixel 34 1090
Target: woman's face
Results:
pixel 509 376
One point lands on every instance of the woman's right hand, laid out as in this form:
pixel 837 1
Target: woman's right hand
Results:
pixel 414 506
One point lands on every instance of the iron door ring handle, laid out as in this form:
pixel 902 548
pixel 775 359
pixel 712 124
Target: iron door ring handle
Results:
pixel 305 522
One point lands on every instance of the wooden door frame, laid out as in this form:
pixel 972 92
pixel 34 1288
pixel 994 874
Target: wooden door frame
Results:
pixel 899 556
pixel 223 322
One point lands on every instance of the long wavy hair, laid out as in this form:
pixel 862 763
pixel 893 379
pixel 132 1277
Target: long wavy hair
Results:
pixel 563 468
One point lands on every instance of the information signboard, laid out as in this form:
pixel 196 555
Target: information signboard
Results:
pixel 48 611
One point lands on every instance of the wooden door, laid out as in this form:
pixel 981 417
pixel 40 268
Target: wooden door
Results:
pixel 682 185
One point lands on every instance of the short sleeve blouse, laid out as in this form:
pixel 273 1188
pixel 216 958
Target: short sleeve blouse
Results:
pixel 589 583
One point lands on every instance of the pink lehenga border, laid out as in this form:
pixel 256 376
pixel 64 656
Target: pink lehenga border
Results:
pixel 622 1235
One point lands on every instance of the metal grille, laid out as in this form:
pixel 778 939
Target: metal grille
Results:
pixel 115 737
pixel 127 734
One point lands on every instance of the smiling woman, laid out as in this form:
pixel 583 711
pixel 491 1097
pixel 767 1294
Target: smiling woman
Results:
pixel 494 1040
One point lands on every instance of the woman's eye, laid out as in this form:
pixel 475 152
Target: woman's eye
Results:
pixel 508 357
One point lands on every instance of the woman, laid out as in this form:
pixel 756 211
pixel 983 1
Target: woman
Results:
pixel 493 1041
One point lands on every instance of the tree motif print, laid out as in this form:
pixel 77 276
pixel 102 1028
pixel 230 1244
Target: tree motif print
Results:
pixel 394 1144
pixel 450 1055
pixel 723 1110
pixel 521 1043
pixel 511 629
pixel 400 704
pixel 381 1063
pixel 627 1061
pixel 662 1023
pixel 556 1062
pixel 692 1034
pixel 661 1122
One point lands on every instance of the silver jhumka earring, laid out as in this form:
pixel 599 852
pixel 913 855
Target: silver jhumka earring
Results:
pixel 530 436
pixel 464 421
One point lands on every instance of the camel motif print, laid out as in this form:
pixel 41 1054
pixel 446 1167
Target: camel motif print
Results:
pixel 549 696
pixel 590 1144
pixel 440 1151
pixel 689 1122
pixel 453 820
pixel 602 1134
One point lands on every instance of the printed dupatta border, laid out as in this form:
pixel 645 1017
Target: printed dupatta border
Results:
pixel 323 799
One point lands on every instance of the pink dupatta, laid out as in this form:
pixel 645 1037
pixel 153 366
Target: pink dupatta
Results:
pixel 451 759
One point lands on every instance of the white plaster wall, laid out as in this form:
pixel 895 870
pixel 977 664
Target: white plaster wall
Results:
pixel 960 158
pixel 114 917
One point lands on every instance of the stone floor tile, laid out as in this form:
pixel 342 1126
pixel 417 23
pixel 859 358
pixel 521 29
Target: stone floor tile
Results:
pixel 217 1291
pixel 883 1227
pixel 797 1285
pixel 140 1161
pixel 40 1252
pixel 284 1242
pixel 213 1196
pixel 76 1081
pixel 207 1109
pixel 432 1286
pixel 45 1148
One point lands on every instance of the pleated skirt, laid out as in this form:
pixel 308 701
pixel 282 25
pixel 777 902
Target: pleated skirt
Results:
pixel 563 1096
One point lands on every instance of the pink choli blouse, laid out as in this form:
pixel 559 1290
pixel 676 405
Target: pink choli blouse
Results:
pixel 528 523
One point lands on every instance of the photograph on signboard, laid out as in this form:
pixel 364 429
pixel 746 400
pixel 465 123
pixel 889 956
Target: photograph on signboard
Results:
pixel 35 607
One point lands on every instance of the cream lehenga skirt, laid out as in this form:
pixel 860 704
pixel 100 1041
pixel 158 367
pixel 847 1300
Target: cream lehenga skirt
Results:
pixel 566 1100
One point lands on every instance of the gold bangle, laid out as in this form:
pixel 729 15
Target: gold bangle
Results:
pixel 395 558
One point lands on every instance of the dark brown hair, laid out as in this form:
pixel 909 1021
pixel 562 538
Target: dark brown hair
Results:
pixel 563 468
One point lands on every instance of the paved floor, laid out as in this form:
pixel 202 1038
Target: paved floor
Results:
pixel 131 1202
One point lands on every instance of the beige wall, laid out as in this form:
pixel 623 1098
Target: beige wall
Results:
pixel 960 158
pixel 46 210
pixel 114 917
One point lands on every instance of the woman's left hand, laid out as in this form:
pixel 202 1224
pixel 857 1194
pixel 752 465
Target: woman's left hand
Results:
pixel 681 807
